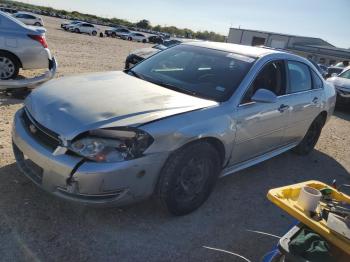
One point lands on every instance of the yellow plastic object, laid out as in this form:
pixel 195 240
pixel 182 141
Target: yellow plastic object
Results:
pixel 286 198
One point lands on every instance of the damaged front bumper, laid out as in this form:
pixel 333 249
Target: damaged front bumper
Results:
pixel 72 178
pixel 31 82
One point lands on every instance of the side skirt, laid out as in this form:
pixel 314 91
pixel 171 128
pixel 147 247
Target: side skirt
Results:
pixel 251 162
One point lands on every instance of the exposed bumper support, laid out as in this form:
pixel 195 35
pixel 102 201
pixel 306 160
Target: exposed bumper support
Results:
pixel 14 84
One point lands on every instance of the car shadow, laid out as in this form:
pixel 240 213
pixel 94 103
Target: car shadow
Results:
pixel 6 100
pixel 34 224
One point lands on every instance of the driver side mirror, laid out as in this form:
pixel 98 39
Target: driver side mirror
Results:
pixel 264 96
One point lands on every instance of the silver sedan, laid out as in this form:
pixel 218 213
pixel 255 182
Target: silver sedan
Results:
pixel 25 47
pixel 171 125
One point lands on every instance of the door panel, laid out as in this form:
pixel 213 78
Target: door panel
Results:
pixel 305 107
pixel 260 129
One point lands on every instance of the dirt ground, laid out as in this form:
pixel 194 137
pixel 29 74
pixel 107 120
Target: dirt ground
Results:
pixel 35 226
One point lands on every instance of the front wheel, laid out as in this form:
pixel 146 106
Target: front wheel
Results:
pixel 9 66
pixel 37 24
pixel 188 178
pixel 76 30
pixel 311 137
pixel 94 33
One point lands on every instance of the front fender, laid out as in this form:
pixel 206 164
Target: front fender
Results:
pixel 174 132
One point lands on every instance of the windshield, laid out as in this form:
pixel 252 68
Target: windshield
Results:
pixel 345 74
pixel 199 71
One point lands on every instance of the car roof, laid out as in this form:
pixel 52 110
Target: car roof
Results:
pixel 250 51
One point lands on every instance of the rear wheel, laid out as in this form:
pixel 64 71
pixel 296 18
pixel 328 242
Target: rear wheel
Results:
pixel 311 137
pixel 77 30
pixel 37 24
pixel 188 177
pixel 94 33
pixel 9 66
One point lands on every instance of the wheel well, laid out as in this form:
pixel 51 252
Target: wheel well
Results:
pixel 216 143
pixel 12 54
pixel 323 116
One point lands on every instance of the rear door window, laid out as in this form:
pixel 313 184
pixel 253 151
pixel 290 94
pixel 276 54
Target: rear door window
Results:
pixel 299 77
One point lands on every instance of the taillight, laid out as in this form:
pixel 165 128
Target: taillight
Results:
pixel 39 38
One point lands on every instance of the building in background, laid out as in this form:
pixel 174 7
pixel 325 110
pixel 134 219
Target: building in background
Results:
pixel 316 49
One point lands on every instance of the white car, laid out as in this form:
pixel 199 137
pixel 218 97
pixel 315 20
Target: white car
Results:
pixel 341 83
pixel 85 28
pixel 138 37
pixel 67 25
pixel 29 19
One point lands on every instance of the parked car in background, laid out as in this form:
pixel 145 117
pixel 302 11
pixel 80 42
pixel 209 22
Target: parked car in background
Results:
pixel 343 64
pixel 140 54
pixel 116 32
pixel 171 125
pixel 71 23
pixel 138 37
pixel 22 47
pixel 333 71
pixel 155 39
pixel 29 19
pixel 120 32
pixel 84 28
pixel 341 83
pixel 8 10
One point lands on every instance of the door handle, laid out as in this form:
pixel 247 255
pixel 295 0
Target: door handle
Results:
pixel 315 100
pixel 283 108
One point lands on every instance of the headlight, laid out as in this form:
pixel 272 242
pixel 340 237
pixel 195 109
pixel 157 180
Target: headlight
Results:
pixel 112 145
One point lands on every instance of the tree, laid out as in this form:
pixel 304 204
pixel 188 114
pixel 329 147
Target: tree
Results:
pixel 143 24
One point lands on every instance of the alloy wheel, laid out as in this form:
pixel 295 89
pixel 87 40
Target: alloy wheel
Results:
pixel 7 68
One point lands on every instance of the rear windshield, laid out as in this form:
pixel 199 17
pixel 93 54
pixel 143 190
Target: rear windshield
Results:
pixel 202 72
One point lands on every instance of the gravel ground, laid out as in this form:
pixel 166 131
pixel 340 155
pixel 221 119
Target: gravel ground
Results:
pixel 35 226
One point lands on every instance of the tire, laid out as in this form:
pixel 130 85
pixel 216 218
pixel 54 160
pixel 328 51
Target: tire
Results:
pixel 94 33
pixel 188 178
pixel 37 24
pixel 76 30
pixel 9 66
pixel 144 41
pixel 130 38
pixel 114 34
pixel 311 137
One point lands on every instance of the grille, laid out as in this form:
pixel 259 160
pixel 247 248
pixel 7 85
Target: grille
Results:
pixel 40 133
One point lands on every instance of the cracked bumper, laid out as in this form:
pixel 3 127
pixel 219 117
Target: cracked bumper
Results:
pixel 71 178
pixel 15 84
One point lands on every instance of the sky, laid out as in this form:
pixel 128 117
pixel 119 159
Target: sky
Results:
pixel 326 19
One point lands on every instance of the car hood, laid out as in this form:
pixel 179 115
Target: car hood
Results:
pixel 145 52
pixel 340 82
pixel 72 105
